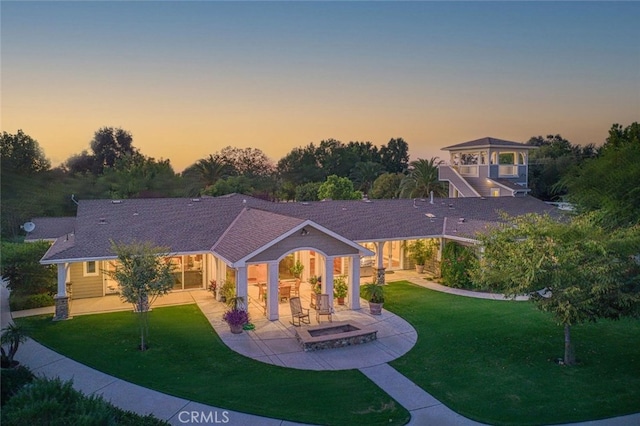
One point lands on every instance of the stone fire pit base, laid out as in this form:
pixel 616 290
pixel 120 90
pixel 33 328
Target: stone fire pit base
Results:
pixel 334 335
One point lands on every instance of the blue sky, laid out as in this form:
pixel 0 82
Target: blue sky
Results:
pixel 189 78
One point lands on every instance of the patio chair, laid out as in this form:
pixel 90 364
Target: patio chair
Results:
pixel 295 290
pixel 298 313
pixel 323 307
pixel 284 293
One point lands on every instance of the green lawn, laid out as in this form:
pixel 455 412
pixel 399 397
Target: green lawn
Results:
pixel 488 360
pixel 492 361
pixel 188 359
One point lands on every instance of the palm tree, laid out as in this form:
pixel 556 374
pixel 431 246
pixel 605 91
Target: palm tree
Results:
pixel 211 169
pixel 364 174
pixel 422 179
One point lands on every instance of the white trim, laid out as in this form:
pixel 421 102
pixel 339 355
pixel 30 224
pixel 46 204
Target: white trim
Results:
pixel 361 250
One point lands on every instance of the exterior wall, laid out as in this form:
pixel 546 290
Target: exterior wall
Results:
pixel 314 239
pixel 83 287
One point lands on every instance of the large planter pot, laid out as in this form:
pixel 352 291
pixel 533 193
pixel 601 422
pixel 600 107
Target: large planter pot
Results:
pixel 340 300
pixel 375 308
pixel 236 328
pixel 419 269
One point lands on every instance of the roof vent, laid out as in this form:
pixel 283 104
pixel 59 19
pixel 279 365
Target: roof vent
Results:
pixel 116 201
pixel 136 213
pixel 195 200
pixel 304 203
pixel 102 221
pixel 430 215
pixel 461 220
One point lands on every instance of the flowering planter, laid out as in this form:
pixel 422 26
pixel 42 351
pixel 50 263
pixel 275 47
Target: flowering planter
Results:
pixel 340 300
pixel 236 328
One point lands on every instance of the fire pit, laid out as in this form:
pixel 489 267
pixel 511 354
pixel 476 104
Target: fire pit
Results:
pixel 334 335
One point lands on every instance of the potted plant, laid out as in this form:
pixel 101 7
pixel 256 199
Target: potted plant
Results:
pixel 374 293
pixel 236 316
pixel 316 288
pixel 12 336
pixel 419 251
pixel 296 269
pixel 227 291
pixel 340 289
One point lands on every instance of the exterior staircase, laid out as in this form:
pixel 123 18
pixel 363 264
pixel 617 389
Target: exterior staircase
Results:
pixel 448 173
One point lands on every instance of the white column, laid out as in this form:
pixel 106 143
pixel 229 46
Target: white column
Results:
pixel 272 291
pixel 327 278
pixel 380 254
pixel 63 270
pixel 380 269
pixel 242 289
pixel 305 258
pixel 353 295
pixel 220 275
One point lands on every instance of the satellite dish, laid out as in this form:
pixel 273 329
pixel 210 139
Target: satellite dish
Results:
pixel 29 226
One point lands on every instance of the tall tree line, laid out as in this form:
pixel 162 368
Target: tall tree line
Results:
pixel 595 178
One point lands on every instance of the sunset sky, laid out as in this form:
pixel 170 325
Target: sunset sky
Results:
pixel 189 78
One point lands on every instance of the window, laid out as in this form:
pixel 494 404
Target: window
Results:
pixel 90 269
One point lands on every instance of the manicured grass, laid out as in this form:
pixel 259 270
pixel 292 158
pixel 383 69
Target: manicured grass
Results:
pixel 187 359
pixel 493 361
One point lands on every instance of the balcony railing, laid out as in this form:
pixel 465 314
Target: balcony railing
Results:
pixel 468 170
pixel 508 170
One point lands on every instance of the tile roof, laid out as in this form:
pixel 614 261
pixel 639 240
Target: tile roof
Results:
pixel 487 142
pixel 237 225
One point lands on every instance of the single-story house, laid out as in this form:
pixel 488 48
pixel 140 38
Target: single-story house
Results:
pixel 243 239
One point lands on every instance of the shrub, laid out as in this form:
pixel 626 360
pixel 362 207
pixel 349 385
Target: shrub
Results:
pixel 20 265
pixel 373 292
pixel 12 380
pixel 457 261
pixel 54 402
pixel 340 287
pixel 236 317
pixel 18 302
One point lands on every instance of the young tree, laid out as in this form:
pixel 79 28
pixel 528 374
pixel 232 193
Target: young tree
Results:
pixel 308 191
pixel 143 275
pixel 575 270
pixel 387 185
pixel 338 188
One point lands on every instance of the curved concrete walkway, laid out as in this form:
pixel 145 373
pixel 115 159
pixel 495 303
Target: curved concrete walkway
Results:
pixel 424 409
